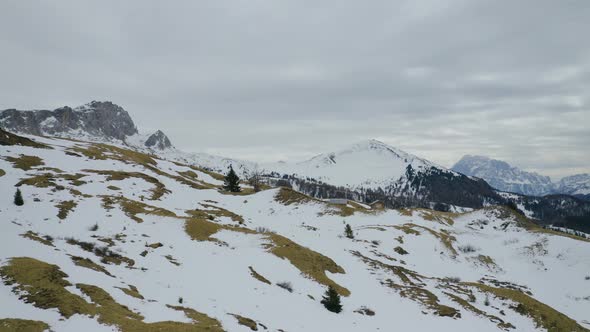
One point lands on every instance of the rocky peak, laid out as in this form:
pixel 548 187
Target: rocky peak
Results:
pixel 101 119
pixel 158 140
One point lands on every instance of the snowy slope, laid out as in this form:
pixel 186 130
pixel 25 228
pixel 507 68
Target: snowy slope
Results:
pixel 416 270
pixel 503 176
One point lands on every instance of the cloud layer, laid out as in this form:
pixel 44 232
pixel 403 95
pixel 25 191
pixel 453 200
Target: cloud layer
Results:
pixel 271 80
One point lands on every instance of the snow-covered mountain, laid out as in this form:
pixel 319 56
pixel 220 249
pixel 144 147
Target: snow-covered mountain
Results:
pixel 112 239
pixel 96 121
pixel 366 171
pixel 576 185
pixel 369 164
pixel 503 176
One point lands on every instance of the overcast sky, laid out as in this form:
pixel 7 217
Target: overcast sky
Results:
pixel 285 80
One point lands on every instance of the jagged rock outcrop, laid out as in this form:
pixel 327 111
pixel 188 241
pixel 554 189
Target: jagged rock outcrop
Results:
pixel 99 119
pixel 158 140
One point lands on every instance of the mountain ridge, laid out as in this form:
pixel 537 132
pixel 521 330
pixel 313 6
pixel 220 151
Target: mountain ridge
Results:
pixel 96 120
pixel 366 171
pixel 505 177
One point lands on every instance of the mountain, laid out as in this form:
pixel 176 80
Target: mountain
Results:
pixel 96 121
pixel 369 163
pixel 372 170
pixel 367 171
pixel 503 176
pixel 158 140
pixel 575 185
pixel 111 238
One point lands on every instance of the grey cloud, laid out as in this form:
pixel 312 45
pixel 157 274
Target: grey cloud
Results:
pixel 286 80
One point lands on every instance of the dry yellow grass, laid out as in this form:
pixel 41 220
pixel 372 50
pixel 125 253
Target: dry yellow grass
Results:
pixel 158 191
pixel 65 207
pixel 22 325
pixel 543 315
pixel 132 291
pixel 258 276
pixel 25 162
pixel 89 264
pixel 35 237
pixel 312 264
pixel 133 208
pixel 44 286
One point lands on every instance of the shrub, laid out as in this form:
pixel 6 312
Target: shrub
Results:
pixel 18 198
pixel 468 248
pixel 365 311
pixel 442 207
pixel 262 229
pixel 452 279
pixel 510 241
pixel 400 250
pixel 331 300
pixel 348 232
pixel 93 228
pixel 286 285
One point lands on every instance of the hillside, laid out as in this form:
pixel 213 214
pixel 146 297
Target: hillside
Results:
pixel 110 238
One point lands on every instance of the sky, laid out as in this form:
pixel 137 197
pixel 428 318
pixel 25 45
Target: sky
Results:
pixel 286 80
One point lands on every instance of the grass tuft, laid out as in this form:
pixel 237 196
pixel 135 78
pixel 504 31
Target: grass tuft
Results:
pixel 25 162
pixel 22 325
pixel 258 276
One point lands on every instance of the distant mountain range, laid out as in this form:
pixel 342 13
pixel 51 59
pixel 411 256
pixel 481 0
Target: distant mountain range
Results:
pixel 502 176
pixel 367 171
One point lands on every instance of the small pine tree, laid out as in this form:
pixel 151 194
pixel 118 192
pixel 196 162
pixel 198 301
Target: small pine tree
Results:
pixel 18 198
pixel 331 300
pixel 232 181
pixel 348 232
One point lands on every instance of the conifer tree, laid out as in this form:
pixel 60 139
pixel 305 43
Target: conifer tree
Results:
pixel 331 300
pixel 348 232
pixel 18 198
pixel 232 181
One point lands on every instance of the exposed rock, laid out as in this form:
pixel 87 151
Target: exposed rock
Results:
pixel 99 119
pixel 158 140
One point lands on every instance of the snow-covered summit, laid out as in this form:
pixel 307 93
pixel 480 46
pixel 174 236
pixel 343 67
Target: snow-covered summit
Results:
pixel 370 163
